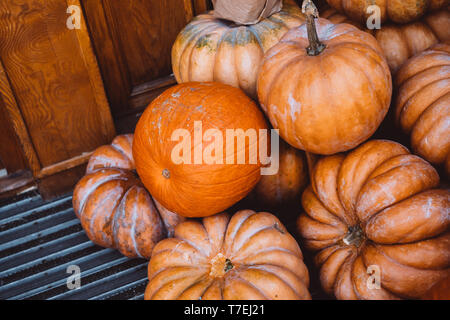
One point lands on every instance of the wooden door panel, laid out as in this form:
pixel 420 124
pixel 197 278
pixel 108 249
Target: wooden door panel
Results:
pixel 133 41
pixel 48 69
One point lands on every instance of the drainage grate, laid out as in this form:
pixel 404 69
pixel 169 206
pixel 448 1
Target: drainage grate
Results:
pixel 39 240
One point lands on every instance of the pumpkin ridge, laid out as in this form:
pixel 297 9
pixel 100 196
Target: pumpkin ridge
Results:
pixel 251 285
pixel 133 227
pixel 92 219
pixel 84 200
pixel 376 247
pixel 261 268
pixel 418 74
pixel 199 280
pixel 406 105
pixel 169 284
pixel 368 79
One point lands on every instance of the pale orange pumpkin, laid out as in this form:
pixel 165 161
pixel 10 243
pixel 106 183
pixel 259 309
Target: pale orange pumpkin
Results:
pixel 401 42
pixel 423 103
pixel 248 256
pixel 185 181
pixel 326 91
pixel 210 49
pixel 399 11
pixel 379 221
pixel 114 208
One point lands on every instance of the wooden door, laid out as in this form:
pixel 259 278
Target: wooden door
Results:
pixel 133 41
pixel 53 108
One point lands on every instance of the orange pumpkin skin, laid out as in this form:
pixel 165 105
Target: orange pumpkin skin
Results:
pixel 294 88
pixel 114 208
pixel 250 256
pixel 401 42
pixel 441 291
pixel 399 11
pixel 285 187
pixel 210 49
pixel 423 103
pixel 377 206
pixel 196 190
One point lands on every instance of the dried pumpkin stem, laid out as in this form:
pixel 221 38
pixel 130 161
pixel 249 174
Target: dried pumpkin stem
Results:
pixel 311 12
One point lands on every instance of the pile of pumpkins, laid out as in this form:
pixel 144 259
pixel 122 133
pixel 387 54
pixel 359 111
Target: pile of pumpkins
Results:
pixel 371 208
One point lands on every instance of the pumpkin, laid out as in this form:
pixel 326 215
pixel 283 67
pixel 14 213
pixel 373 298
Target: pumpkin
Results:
pixel 401 42
pixel 326 91
pixel 422 106
pixel 379 222
pixel 398 11
pixel 211 49
pixel 245 257
pixel 213 176
pixel 114 208
pixel 440 291
pixel 287 185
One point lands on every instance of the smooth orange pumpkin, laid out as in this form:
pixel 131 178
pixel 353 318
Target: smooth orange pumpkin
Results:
pixel 250 256
pixel 326 92
pixel 114 208
pixel 285 187
pixel 423 103
pixel 210 49
pixel 401 42
pixel 399 11
pixel 377 214
pixel 192 186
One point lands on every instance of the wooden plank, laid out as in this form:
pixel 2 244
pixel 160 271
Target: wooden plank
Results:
pixel 52 72
pixel 14 117
pixel 133 42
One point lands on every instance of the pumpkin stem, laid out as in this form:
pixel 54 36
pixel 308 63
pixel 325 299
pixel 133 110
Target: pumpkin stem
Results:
pixel 166 174
pixel 355 236
pixel 311 12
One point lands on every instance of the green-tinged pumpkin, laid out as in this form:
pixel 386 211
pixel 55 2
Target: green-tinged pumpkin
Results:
pixel 211 49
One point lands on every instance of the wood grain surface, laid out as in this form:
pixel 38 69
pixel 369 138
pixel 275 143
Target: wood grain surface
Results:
pixel 50 85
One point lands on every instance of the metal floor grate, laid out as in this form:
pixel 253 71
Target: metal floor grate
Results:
pixel 40 239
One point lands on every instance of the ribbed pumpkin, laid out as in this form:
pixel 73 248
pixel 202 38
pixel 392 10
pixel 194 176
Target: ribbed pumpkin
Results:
pixel 401 42
pixel 441 291
pixel 210 49
pixel 114 208
pixel 250 256
pixel 399 11
pixel 287 185
pixel 329 96
pixel 423 103
pixel 377 209
pixel 192 186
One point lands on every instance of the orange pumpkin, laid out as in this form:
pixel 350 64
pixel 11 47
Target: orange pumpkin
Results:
pixel 250 256
pixel 286 186
pixel 326 91
pixel 441 291
pixel 379 221
pixel 423 103
pixel 211 49
pixel 401 42
pixel 114 208
pixel 174 124
pixel 399 11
